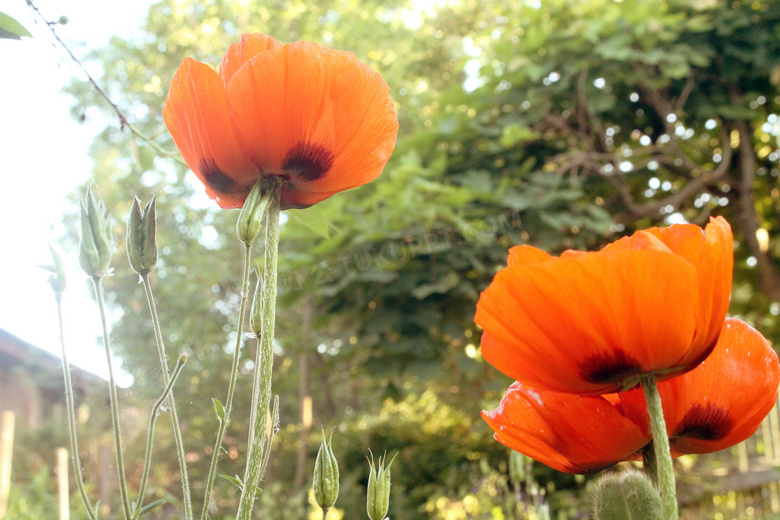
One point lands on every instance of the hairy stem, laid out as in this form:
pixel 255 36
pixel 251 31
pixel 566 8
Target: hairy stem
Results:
pixel 74 445
pixel 150 432
pixel 663 454
pixel 185 484
pixel 261 392
pixel 120 460
pixel 223 422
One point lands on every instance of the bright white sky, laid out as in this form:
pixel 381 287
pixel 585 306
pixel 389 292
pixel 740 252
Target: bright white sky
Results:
pixel 43 157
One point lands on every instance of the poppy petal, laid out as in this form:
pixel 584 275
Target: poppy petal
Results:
pixel 239 53
pixel 591 323
pixel 722 401
pixel 520 255
pixel 711 252
pixel 567 432
pixel 197 117
pixel 315 116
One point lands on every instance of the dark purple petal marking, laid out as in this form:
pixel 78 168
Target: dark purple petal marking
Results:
pixel 611 367
pixel 308 162
pixel 217 180
pixel 708 423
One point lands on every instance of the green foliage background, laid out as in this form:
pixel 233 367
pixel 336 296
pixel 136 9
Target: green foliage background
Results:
pixel 561 123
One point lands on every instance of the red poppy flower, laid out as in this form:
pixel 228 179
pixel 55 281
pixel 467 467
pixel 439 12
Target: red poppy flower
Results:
pixel 568 432
pixel 717 405
pixel 314 116
pixel 591 323
pixel 723 401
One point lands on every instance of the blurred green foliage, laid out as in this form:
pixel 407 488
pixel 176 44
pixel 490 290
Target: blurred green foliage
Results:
pixel 560 123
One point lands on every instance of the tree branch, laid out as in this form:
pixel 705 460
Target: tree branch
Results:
pixel 123 120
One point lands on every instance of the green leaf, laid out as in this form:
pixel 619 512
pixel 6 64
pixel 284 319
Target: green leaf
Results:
pixel 313 219
pixel 219 408
pixel 236 481
pixel 11 29
pixel 443 285
pixel 150 506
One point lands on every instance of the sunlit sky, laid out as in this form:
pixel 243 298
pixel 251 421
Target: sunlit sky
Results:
pixel 43 157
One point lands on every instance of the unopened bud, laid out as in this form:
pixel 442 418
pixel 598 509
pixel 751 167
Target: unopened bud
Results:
pixel 517 466
pixel 95 250
pixel 57 280
pixel 256 314
pixel 378 489
pixel 626 495
pixel 141 237
pixel 250 220
pixel 326 475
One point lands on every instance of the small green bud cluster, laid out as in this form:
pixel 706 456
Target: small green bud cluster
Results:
pixel 95 249
pixel 378 488
pixel 250 220
pixel 326 475
pixel 141 237
pixel 626 496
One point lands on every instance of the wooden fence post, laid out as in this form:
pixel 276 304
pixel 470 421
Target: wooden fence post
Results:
pixel 6 451
pixel 62 480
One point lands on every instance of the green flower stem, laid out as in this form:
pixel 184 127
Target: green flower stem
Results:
pixel 649 463
pixel 261 391
pixel 324 514
pixel 120 460
pixel 150 433
pixel 74 445
pixel 267 452
pixel 663 454
pixel 185 484
pixel 232 384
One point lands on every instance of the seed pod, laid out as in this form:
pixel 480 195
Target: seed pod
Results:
pixel 378 500
pixel 94 250
pixel 141 237
pixel 326 475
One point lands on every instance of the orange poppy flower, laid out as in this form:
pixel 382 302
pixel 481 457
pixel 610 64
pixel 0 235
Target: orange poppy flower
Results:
pixel 592 323
pixel 568 432
pixel 717 405
pixel 723 401
pixel 314 116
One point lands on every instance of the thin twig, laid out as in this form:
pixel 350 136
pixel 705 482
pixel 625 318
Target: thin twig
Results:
pixel 123 120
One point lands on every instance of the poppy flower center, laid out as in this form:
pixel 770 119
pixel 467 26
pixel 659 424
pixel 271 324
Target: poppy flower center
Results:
pixel 708 422
pixel 609 367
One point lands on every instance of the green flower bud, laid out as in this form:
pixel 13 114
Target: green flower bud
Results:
pixel 141 237
pixel 517 466
pixel 626 496
pixel 250 220
pixel 57 280
pixel 95 250
pixel 326 475
pixel 256 314
pixel 378 489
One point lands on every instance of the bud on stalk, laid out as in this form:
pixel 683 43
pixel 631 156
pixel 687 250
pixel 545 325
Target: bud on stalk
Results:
pixel 378 489
pixel 141 237
pixel 326 475
pixel 94 250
